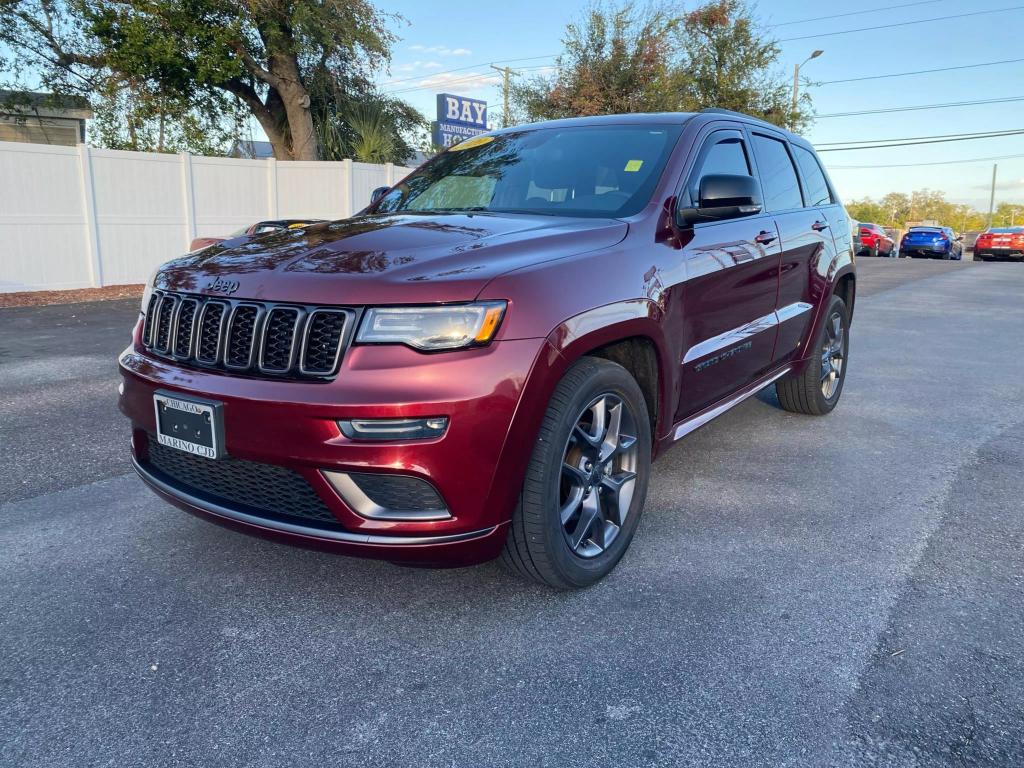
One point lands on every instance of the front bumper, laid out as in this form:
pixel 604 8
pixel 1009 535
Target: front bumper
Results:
pixel 476 466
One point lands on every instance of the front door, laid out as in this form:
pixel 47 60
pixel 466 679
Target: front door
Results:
pixel 731 281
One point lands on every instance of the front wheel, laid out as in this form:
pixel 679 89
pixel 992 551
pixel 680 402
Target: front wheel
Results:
pixel 586 481
pixel 817 389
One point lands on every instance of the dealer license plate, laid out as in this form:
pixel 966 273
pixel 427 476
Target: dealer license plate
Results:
pixel 190 424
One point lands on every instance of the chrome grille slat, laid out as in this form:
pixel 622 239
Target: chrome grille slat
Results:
pixel 164 321
pixel 184 324
pixel 242 335
pixel 211 332
pixel 280 342
pixel 321 342
pixel 251 337
pixel 147 326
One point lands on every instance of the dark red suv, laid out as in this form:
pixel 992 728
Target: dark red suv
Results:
pixel 486 360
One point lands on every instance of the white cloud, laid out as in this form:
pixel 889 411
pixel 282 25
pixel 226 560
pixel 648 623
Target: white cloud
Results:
pixel 440 50
pixel 1001 185
pixel 460 81
pixel 417 66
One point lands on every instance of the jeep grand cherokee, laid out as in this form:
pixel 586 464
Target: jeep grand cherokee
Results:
pixel 485 361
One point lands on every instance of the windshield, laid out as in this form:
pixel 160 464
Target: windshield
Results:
pixel 607 171
pixel 927 230
pixel 1007 230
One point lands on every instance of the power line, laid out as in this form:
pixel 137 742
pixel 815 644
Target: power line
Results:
pixel 918 165
pixel 936 140
pixel 916 72
pixel 855 13
pixel 901 24
pixel 770 26
pixel 906 138
pixel 783 40
pixel 921 107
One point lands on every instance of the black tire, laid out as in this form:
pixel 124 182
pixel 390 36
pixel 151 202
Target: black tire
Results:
pixel 538 546
pixel 805 393
pixel 874 251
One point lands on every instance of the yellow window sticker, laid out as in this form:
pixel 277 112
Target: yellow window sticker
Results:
pixel 633 166
pixel 476 141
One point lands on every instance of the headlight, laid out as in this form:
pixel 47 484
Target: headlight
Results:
pixel 432 328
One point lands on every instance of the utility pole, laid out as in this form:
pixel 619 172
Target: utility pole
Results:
pixel 992 196
pixel 796 78
pixel 506 73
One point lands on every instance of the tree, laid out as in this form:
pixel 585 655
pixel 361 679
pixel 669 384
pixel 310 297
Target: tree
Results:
pixel 728 62
pixel 626 60
pixel 271 58
pixel 900 210
pixel 614 61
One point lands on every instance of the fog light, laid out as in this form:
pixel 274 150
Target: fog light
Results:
pixel 393 429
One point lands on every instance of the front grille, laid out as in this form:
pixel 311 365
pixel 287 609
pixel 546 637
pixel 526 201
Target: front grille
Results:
pixel 257 338
pixel 261 489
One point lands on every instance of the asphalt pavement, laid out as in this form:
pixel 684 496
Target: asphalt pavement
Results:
pixel 845 590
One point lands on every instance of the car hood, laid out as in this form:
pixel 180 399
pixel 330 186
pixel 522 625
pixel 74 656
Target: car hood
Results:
pixel 381 259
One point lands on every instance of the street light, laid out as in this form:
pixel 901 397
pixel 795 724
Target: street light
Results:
pixel 796 76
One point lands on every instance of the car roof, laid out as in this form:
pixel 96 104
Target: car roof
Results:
pixel 635 118
pixel 654 118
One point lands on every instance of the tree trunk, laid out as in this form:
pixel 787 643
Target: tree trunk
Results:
pixel 300 124
pixel 296 101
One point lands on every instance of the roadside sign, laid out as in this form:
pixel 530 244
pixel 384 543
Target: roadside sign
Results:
pixel 458 118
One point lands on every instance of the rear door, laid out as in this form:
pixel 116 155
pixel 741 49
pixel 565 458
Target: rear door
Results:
pixel 731 283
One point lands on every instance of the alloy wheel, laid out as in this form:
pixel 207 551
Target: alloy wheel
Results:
pixel 598 476
pixel 833 355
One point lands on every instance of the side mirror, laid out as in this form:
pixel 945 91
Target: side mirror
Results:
pixel 378 193
pixel 723 196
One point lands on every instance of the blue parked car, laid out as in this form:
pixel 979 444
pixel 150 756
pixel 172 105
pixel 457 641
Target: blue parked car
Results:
pixel 931 243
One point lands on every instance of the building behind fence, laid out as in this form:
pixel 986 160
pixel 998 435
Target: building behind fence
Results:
pixel 77 217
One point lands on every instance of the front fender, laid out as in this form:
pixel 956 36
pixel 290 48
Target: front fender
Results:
pixel 616 322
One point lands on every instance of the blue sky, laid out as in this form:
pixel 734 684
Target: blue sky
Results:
pixel 469 36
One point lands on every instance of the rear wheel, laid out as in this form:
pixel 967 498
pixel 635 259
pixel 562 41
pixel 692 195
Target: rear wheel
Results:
pixel 586 481
pixel 817 389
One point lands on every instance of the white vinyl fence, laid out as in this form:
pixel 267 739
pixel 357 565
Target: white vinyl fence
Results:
pixel 77 217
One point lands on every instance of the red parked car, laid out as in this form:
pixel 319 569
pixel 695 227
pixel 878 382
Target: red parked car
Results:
pixel 486 361
pixel 1000 243
pixel 874 241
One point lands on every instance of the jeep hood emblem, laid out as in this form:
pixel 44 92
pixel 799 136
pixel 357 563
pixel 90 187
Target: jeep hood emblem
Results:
pixel 220 285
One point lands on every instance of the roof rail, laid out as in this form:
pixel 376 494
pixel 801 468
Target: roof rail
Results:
pixel 734 113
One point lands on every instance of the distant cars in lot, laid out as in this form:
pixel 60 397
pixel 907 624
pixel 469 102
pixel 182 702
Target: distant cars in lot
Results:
pixel 259 228
pixel 931 243
pixel 874 241
pixel 1000 243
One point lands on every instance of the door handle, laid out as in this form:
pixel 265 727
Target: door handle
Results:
pixel 819 225
pixel 764 237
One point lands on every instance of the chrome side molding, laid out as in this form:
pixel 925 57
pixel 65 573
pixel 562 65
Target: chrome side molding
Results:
pixel 697 421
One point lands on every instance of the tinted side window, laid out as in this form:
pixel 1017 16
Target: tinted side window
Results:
pixel 778 176
pixel 817 188
pixel 722 155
